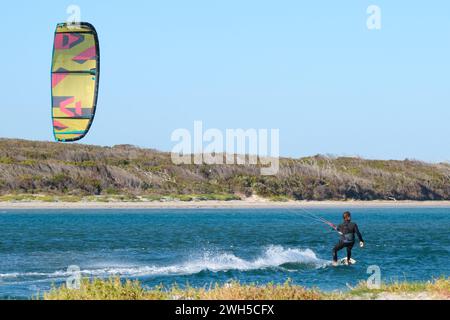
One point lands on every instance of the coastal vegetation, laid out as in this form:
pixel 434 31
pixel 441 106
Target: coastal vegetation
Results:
pixel 52 172
pixel 117 289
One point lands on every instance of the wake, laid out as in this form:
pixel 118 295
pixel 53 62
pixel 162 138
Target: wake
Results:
pixel 272 257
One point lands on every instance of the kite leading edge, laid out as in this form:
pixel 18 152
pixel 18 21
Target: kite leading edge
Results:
pixel 75 80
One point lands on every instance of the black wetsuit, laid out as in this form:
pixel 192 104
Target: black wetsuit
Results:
pixel 347 240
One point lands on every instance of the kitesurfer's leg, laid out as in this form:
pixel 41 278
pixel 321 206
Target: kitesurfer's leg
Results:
pixel 349 251
pixel 336 248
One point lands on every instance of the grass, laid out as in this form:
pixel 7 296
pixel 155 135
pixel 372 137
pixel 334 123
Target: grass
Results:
pixel 217 197
pixel 279 199
pixel 115 198
pixel 439 287
pixel 16 197
pixel 39 198
pixel 116 289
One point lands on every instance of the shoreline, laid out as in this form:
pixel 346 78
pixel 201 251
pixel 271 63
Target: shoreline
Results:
pixel 215 204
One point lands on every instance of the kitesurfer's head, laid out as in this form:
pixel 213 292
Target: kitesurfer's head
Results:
pixel 347 216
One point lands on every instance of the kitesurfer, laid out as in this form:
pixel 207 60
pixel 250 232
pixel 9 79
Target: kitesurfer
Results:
pixel 347 231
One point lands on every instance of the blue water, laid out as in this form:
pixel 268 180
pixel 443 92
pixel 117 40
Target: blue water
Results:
pixel 201 247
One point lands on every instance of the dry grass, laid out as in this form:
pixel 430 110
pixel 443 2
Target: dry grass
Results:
pixel 439 289
pixel 115 289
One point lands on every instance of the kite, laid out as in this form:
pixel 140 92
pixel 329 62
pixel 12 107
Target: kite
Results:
pixel 75 79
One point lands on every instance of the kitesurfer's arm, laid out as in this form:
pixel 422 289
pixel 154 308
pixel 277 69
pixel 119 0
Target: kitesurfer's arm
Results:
pixel 358 233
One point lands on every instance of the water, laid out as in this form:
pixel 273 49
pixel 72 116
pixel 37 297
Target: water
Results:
pixel 201 247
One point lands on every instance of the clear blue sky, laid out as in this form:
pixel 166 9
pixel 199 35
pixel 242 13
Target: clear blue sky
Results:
pixel 310 68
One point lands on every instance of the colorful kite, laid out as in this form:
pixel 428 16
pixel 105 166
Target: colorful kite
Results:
pixel 75 77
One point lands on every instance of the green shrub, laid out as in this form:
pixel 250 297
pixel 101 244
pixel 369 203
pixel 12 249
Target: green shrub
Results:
pixel 6 160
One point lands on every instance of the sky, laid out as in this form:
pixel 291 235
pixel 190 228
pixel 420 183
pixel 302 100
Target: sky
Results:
pixel 311 69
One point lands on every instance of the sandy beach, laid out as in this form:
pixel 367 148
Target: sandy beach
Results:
pixel 250 203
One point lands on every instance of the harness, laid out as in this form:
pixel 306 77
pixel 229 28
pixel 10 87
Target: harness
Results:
pixel 347 236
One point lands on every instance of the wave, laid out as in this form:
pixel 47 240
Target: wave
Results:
pixel 272 257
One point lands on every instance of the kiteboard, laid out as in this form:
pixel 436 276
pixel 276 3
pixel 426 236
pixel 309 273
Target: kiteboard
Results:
pixel 344 262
